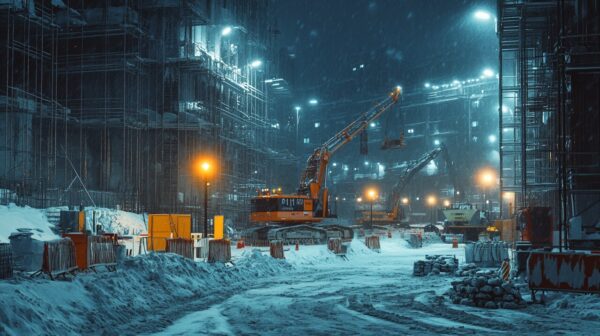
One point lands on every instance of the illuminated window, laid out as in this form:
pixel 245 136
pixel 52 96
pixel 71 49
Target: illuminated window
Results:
pixel 306 140
pixel 317 124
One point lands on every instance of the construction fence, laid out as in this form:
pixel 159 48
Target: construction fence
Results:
pixel 6 260
pixel 183 247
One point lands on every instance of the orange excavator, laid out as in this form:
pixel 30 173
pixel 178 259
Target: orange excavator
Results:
pixel 288 216
pixel 395 215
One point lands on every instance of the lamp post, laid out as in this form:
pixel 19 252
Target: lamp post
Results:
pixel 486 179
pixel 205 170
pixel 372 196
pixel 432 201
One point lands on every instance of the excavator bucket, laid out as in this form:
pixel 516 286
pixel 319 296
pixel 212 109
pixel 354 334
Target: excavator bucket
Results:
pixel 392 144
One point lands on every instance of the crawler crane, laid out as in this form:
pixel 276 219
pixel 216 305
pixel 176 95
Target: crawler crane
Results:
pixel 295 217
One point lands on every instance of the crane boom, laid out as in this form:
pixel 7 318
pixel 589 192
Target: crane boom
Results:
pixel 417 166
pixel 406 177
pixel 316 165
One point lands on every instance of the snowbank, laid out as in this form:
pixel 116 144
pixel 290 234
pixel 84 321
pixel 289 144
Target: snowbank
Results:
pixel 587 306
pixel 117 221
pixel 154 285
pixel 13 217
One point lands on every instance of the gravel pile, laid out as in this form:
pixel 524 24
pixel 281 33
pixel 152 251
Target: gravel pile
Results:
pixel 486 290
pixel 435 265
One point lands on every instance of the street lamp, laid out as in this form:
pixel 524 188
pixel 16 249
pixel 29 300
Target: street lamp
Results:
pixel 487 179
pixel 432 201
pixel 206 169
pixel 255 64
pixel 372 196
pixel 226 31
pixel 482 15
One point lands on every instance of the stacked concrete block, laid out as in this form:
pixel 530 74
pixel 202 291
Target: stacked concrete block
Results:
pixel 435 265
pixel 485 289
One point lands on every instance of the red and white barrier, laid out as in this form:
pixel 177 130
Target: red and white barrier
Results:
pixel 571 272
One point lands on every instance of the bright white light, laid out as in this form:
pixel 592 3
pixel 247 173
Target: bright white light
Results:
pixel 366 163
pixel 505 109
pixel 456 82
pixel 435 87
pixel 226 31
pixel 373 125
pixel 474 124
pixel 313 102
pixel 427 85
pixel 482 15
pixel 487 72
pixel 335 164
pixel 317 125
pixel 346 168
pixel 410 131
pixel 436 142
pixel 399 87
pixel 492 138
pixel 297 108
pixel 362 66
pixel 256 63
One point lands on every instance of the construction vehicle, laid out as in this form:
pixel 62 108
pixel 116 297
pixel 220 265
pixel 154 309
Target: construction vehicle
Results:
pixel 466 220
pixel 290 216
pixel 395 217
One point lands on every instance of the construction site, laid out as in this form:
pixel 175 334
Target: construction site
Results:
pixel 265 167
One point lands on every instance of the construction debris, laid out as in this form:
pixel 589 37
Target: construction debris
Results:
pixel 435 265
pixel 486 290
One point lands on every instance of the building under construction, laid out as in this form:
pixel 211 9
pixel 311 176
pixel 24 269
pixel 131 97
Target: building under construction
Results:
pixel 110 102
pixel 549 124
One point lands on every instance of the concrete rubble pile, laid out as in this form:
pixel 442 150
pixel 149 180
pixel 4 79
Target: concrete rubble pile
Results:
pixel 486 290
pixel 435 265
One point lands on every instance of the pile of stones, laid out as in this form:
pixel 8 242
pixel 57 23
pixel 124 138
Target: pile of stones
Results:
pixel 486 290
pixel 435 265
pixel 467 270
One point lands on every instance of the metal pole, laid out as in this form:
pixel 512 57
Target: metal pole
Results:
pixel 206 208
pixel 371 214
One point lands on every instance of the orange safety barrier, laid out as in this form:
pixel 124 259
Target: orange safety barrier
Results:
pixel 93 251
pixel 335 245
pixel 276 249
pixel 183 247
pixel 59 258
pixel 571 272
pixel 240 244
pixel 372 242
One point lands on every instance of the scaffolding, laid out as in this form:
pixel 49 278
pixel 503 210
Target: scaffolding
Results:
pixel 549 74
pixel 109 103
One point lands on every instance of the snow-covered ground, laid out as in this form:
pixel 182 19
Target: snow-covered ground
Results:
pixel 310 293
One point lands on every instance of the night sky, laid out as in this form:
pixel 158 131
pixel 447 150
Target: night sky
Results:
pixel 398 42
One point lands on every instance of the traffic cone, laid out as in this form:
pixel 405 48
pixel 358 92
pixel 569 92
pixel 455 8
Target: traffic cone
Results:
pixel 297 246
pixel 454 242
pixel 241 244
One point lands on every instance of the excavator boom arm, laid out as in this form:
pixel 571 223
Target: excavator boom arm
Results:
pixel 313 175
